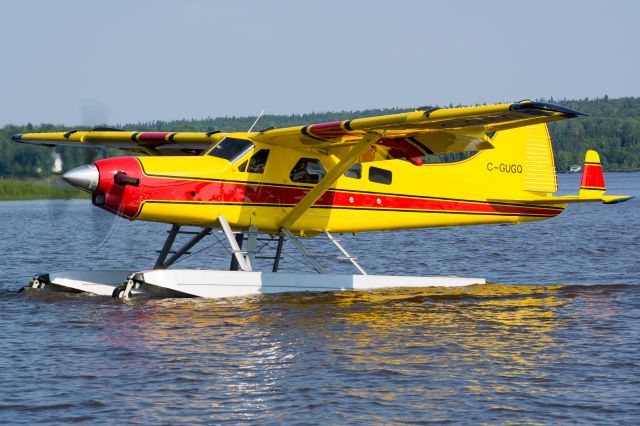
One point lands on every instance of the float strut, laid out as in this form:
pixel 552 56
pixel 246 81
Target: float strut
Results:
pixel 252 246
pixel 167 246
pixel 192 242
pixel 347 256
pixel 276 260
pixel 317 266
pixel 237 252
pixel 234 262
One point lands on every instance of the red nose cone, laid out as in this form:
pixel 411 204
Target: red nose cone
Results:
pixel 116 191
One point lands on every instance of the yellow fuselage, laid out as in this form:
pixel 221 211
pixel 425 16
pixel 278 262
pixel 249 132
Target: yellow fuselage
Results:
pixel 196 190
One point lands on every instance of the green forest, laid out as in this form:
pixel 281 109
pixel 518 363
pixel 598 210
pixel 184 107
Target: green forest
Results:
pixel 612 128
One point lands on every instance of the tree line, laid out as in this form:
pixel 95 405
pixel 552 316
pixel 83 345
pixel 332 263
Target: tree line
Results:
pixel 612 128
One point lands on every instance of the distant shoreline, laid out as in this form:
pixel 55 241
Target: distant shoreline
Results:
pixel 12 189
pixel 604 171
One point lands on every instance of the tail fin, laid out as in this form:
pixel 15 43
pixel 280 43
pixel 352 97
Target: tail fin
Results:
pixel 521 162
pixel 592 184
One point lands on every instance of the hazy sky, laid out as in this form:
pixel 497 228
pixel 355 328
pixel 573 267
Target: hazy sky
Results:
pixel 146 60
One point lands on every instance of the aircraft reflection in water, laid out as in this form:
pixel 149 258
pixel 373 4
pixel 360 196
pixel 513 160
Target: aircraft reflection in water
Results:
pixel 250 345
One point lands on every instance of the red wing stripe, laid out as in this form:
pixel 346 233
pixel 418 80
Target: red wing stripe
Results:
pixel 330 130
pixel 153 136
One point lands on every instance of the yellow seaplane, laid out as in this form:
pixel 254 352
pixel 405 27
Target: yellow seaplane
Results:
pixel 365 174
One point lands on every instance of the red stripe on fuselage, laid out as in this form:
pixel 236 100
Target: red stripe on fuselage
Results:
pixel 127 200
pixel 230 192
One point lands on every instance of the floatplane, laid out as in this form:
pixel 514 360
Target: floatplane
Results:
pixel 325 179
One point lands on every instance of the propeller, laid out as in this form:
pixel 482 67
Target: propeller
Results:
pixel 101 225
pixel 104 225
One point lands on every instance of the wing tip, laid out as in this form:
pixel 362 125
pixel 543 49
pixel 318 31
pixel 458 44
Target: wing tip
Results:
pixel 616 199
pixel 544 108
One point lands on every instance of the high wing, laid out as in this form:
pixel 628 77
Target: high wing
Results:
pixel 151 143
pixel 424 131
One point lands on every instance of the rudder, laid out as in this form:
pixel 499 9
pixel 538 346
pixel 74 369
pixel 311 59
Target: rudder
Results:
pixel 592 183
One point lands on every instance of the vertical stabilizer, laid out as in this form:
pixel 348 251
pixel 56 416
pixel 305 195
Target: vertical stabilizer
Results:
pixel 522 160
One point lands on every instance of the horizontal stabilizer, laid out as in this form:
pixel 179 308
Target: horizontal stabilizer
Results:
pixel 568 199
pixel 592 187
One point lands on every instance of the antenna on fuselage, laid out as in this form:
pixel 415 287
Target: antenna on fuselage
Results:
pixel 256 122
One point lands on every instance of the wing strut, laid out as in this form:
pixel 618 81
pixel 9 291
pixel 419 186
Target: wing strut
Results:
pixel 312 196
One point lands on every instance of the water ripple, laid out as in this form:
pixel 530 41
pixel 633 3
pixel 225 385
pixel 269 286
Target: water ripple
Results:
pixel 561 349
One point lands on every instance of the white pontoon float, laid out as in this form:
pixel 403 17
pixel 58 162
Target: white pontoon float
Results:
pixel 240 280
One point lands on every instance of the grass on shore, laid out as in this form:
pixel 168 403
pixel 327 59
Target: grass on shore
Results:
pixel 32 189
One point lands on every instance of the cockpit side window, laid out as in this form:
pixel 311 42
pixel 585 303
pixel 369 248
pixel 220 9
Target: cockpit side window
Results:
pixel 231 149
pixel 307 170
pixel 258 161
pixel 354 171
pixel 379 175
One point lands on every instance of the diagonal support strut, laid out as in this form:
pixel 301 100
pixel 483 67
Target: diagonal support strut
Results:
pixel 192 242
pixel 312 196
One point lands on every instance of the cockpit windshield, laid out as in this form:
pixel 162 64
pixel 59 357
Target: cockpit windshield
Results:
pixel 231 149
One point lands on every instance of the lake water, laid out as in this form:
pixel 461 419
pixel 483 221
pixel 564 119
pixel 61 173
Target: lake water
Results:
pixel 555 340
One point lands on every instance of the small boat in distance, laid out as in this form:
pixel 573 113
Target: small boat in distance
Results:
pixel 575 168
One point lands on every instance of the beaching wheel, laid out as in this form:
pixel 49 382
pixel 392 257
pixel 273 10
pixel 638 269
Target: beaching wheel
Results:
pixel 118 293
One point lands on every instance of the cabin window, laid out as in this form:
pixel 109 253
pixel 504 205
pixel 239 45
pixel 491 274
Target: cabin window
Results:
pixel 307 170
pixel 243 166
pixel 452 157
pixel 231 149
pixel 258 161
pixel 354 171
pixel 380 175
